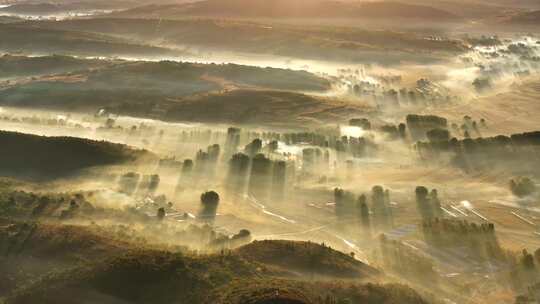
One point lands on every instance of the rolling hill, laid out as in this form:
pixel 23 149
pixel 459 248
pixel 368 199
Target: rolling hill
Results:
pixel 31 40
pixel 333 43
pixel 291 9
pixel 176 91
pixel 23 66
pixel 529 19
pixel 77 261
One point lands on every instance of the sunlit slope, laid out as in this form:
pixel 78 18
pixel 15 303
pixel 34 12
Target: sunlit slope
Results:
pixel 292 9
pixel 515 111
pixel 308 42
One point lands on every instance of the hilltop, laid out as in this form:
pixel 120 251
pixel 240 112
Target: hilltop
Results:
pixel 307 258
pixel 291 9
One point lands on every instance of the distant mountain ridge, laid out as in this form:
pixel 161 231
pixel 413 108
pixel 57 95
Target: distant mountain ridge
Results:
pixel 291 9
pixel 531 18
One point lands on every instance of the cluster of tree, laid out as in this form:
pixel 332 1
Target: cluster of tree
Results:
pixel 418 125
pixel 209 205
pixel 201 136
pixel 314 160
pixel 519 151
pixel 395 132
pixel 362 123
pixel 469 126
pixel 232 142
pixel 428 203
pixel 525 272
pixel 260 176
pixel 408 262
pixel 349 207
pixel 76 205
pixel 436 135
pixel 132 182
pixel 311 138
pixel 522 186
pixel 479 240
pixel 223 242
pixel 356 146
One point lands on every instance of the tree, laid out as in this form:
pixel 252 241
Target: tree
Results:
pixel 260 177
pixel 380 207
pixel 364 213
pixel 209 202
pixel 254 147
pixel 422 202
pixel 522 187
pixel 435 202
pixel 161 213
pixel 527 260
pixel 278 180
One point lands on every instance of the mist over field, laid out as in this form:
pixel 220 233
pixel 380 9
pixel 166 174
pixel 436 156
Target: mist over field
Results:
pixel 270 151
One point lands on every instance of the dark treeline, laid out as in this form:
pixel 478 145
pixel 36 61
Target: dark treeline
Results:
pixel 479 240
pixel 357 146
pixel 428 203
pixel 354 211
pixel 262 178
pixel 517 151
pixel 419 125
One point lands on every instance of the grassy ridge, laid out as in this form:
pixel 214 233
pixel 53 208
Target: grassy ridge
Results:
pixel 31 40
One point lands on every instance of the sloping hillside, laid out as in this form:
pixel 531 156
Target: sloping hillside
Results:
pixel 17 38
pixel 306 41
pixel 530 18
pixel 37 157
pixel 78 263
pixel 18 66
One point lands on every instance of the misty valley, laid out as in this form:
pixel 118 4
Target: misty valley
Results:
pixel 270 151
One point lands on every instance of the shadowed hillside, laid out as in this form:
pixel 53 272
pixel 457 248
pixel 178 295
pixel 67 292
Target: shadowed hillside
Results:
pixel 98 268
pixel 17 38
pixel 18 66
pixel 37 157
